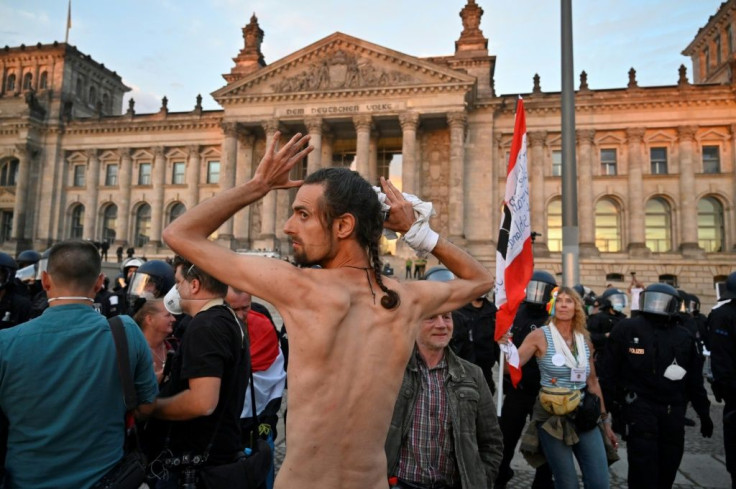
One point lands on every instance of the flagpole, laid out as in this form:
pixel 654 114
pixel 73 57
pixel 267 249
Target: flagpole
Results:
pixel 499 392
pixel 68 21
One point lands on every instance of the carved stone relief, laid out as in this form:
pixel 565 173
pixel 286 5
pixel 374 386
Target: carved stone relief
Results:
pixel 435 175
pixel 341 70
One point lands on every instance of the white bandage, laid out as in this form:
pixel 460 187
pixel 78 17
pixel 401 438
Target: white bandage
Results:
pixel 420 237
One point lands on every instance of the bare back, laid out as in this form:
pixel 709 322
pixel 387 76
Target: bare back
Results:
pixel 345 370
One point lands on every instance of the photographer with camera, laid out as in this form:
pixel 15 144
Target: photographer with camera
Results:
pixel 202 395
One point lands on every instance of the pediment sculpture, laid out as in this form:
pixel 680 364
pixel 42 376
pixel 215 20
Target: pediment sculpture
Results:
pixel 343 70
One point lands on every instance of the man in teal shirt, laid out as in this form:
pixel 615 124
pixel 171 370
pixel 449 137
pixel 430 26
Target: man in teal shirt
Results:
pixel 59 382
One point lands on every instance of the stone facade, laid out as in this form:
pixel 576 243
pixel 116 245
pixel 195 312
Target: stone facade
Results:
pixel 656 165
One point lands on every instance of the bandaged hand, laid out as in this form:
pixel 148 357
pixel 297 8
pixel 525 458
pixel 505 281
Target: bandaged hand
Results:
pixel 419 236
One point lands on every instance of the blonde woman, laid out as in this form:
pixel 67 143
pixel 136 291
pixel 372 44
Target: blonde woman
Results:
pixel 564 352
pixel 157 324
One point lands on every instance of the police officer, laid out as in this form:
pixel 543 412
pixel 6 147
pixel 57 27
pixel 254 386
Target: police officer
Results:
pixel 472 338
pixel 25 276
pixel 518 402
pixel 15 308
pixel 611 304
pixel 124 279
pixel 722 329
pixel 652 365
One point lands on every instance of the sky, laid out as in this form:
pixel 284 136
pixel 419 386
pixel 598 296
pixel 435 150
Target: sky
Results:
pixel 181 48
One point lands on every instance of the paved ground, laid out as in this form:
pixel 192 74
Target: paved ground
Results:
pixel 702 466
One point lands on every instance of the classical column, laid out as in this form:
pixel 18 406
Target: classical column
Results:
pixel 688 206
pixel 314 128
pixel 227 177
pixel 243 173
pixel 586 214
pixel 157 202
pixel 328 139
pixel 363 129
pixel 537 140
pixel 373 160
pixel 193 167
pixel 409 121
pixel 90 202
pixel 732 226
pixel 268 210
pixel 456 185
pixel 126 167
pixel 637 237
pixel 24 154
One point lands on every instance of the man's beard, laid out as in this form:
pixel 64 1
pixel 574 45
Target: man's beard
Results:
pixel 301 259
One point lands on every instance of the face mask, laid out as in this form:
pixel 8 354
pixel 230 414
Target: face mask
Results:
pixel 619 307
pixel 172 301
pixel 674 371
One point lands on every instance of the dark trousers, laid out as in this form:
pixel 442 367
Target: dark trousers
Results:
pixel 517 407
pixel 729 438
pixel 655 443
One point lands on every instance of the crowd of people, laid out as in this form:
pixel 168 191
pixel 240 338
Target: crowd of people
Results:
pixel 390 381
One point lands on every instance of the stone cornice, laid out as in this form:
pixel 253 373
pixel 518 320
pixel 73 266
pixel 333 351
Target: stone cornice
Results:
pixel 403 91
pixel 123 125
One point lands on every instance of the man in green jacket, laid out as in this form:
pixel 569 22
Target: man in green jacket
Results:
pixel 444 432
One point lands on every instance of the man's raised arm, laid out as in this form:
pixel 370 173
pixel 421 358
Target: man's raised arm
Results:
pixel 473 279
pixel 188 235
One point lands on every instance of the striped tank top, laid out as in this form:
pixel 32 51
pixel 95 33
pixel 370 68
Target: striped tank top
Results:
pixel 561 374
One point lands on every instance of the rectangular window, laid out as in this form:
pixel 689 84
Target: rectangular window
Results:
pixel 79 175
pixel 707 61
pixel 717 42
pixel 144 174
pixel 711 159
pixel 6 225
pixel 658 160
pixel 111 175
pixel 213 172
pixel 608 162
pixel 556 163
pixel 177 173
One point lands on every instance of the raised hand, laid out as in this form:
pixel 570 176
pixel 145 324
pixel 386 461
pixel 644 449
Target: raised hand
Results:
pixel 275 166
pixel 401 216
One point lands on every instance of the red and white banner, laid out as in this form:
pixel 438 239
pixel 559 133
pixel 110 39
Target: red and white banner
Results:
pixel 514 259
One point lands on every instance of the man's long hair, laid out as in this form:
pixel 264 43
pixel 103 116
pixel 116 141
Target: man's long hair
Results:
pixel 346 192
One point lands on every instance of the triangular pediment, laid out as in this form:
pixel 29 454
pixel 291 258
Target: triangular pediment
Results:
pixel 341 63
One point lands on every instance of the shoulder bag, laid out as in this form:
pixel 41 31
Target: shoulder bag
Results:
pixel 130 472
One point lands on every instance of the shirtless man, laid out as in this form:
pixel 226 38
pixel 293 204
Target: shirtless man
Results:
pixel 351 331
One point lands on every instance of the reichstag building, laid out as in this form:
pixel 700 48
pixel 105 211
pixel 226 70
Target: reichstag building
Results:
pixel 656 165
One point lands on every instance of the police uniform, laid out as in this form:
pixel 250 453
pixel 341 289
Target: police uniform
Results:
pixel 642 369
pixel 518 402
pixel 722 328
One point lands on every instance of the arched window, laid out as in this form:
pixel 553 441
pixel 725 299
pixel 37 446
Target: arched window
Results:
pixel 710 224
pixel 27 81
pixel 92 95
pixel 176 210
pixel 106 102
pixel 607 226
pixel 143 225
pixel 76 229
pixel 554 225
pixel 43 82
pixel 9 173
pixel 109 219
pixel 657 225
pixel 11 83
